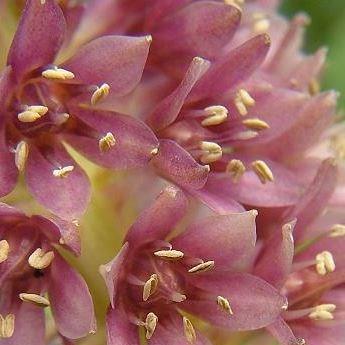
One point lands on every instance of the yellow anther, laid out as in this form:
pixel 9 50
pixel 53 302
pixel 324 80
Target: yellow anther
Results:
pixel 203 267
pixel 101 93
pixel 323 312
pixel 4 250
pixel 236 169
pixel 28 116
pixel 169 254
pixel 224 304
pixel 212 152
pixel 261 26
pixel 21 155
pixel 150 287
pixel 37 300
pixel 263 171
pixel 63 171
pixel 189 330
pixel 243 100
pixel 216 115
pixel 57 73
pixel 107 142
pixel 255 124
pixel 324 263
pixel 40 259
pixel 337 230
pixel 6 326
pixel 150 324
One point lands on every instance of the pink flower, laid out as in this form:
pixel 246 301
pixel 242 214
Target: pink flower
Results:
pixel 199 271
pixel 45 103
pixel 33 276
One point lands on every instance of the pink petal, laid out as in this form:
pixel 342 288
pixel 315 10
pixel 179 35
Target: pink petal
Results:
pixel 66 197
pixel 38 38
pixel 177 165
pixel 275 262
pixel 199 29
pixel 157 221
pixel 116 60
pixel 254 302
pixel 232 68
pixel 119 330
pixel 29 326
pixel 134 140
pixel 167 111
pixel 226 239
pixel 283 333
pixel 70 300
pixel 112 270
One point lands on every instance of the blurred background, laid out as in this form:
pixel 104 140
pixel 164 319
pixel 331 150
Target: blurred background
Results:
pixel 327 28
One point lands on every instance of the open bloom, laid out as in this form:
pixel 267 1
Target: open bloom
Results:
pixel 40 108
pixel 154 278
pixel 34 276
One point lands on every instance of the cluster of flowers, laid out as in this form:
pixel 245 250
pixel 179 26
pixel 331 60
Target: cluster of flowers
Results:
pixel 214 97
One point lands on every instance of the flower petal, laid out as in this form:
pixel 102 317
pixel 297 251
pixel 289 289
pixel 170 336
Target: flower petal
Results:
pixel 116 60
pixel 119 330
pixel 70 300
pixel 157 221
pixel 38 38
pixel 66 197
pixel 254 302
pixel 177 165
pixel 134 141
pixel 283 333
pixel 226 239
pixel 167 111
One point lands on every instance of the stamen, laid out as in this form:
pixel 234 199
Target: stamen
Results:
pixel 203 267
pixel 40 259
pixel 324 263
pixel 21 155
pixel 4 250
pixel 323 312
pixel 261 25
pixel 337 230
pixel 236 169
pixel 150 287
pixel 255 124
pixel 216 115
pixel 6 326
pixel 32 113
pixel 313 87
pixel 189 331
pixel 107 142
pixel 262 170
pixel 37 300
pixel 224 304
pixel 178 297
pixel 212 152
pixel 101 93
pixel 150 324
pixel 235 3
pixel 63 171
pixel 57 73
pixel 243 100
pixel 169 254
pixel 154 151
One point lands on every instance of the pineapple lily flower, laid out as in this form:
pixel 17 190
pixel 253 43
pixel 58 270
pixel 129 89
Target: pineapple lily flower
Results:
pixel 34 276
pixel 153 279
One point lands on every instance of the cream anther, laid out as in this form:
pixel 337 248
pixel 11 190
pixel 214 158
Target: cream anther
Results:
pixel 32 113
pixel 6 326
pixel 37 300
pixel 224 304
pixel 263 171
pixel 243 100
pixel 107 142
pixel 212 152
pixel 150 324
pixel 323 312
pixel 101 93
pixel 324 263
pixel 255 124
pixel 203 267
pixel 57 73
pixel 236 169
pixel 169 254
pixel 40 259
pixel 189 330
pixel 4 250
pixel 337 230
pixel 261 25
pixel 216 115
pixel 154 151
pixel 21 155
pixel 150 287
pixel 63 171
